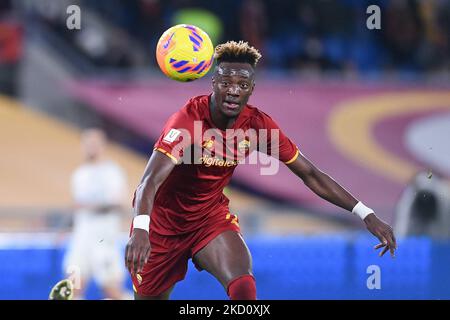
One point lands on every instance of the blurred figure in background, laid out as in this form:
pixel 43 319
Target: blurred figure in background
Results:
pixel 98 191
pixel 424 208
pixel 11 43
pixel 253 22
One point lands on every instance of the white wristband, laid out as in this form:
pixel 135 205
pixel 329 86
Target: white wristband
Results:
pixel 361 210
pixel 141 221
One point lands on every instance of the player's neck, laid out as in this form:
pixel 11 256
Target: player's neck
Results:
pixel 219 120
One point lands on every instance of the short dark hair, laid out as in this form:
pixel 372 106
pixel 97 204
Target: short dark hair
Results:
pixel 233 51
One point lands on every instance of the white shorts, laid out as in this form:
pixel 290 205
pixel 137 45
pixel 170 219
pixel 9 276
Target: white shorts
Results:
pixel 94 250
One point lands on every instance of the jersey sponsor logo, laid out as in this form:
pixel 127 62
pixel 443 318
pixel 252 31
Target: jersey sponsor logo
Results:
pixel 221 150
pixel 212 161
pixel 244 146
pixel 208 144
pixel 172 135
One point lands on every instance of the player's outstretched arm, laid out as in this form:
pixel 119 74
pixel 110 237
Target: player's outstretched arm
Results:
pixel 325 187
pixel 138 248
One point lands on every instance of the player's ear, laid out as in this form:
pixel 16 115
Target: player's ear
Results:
pixel 253 87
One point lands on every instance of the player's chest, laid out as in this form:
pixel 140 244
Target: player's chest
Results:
pixel 224 148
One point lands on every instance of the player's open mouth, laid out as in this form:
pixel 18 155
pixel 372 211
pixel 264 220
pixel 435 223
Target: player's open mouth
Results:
pixel 230 105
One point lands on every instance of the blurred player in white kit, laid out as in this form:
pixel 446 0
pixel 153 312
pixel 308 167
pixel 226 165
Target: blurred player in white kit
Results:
pixel 99 191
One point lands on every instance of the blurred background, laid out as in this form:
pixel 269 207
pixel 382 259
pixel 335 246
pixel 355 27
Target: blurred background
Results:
pixel 369 107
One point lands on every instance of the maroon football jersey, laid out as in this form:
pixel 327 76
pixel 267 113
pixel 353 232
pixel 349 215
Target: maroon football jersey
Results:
pixel 206 158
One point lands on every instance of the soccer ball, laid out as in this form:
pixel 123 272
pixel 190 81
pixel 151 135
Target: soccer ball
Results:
pixel 184 52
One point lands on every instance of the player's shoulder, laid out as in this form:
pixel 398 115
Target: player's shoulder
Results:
pixel 79 172
pixel 257 116
pixel 80 169
pixel 253 110
pixel 194 108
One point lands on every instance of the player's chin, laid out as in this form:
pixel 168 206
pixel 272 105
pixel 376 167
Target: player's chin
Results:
pixel 231 112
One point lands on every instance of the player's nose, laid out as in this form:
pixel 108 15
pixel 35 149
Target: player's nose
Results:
pixel 233 90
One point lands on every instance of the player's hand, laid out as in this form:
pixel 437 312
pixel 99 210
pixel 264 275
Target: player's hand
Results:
pixel 137 251
pixel 383 232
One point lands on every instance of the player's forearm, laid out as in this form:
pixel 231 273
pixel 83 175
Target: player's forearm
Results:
pixel 325 187
pixel 145 196
pixel 156 172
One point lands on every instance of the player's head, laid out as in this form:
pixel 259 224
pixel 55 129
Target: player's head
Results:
pixel 93 143
pixel 234 76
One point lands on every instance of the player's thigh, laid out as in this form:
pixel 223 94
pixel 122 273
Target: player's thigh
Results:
pixel 225 257
pixel 167 264
pixel 163 296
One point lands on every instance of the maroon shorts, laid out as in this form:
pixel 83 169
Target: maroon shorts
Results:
pixel 169 255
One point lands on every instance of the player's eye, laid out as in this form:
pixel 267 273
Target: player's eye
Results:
pixel 224 83
pixel 244 85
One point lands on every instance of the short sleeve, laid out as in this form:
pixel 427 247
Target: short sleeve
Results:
pixel 176 136
pixel 277 144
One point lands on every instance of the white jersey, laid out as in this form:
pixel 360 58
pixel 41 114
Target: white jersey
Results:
pixel 94 248
pixel 102 183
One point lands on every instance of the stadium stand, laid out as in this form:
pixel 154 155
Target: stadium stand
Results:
pixel 42 152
